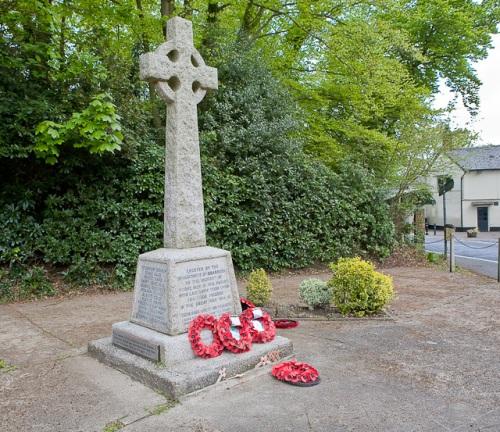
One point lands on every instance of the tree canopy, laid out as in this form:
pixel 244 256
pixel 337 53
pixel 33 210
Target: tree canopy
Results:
pixel 362 71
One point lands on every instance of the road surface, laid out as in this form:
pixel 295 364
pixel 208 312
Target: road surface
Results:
pixel 480 256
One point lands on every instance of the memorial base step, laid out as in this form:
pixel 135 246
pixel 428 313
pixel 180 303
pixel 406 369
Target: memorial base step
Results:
pixel 187 376
pixel 151 344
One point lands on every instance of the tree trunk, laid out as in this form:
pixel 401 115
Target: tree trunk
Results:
pixel 419 219
pixel 167 9
pixel 62 41
pixel 188 9
pixel 213 10
pixel 252 21
pixel 152 95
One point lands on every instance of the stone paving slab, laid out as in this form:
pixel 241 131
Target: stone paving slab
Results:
pixel 23 342
pixel 72 394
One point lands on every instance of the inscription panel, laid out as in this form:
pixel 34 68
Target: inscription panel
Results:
pixel 150 304
pixel 137 346
pixel 203 286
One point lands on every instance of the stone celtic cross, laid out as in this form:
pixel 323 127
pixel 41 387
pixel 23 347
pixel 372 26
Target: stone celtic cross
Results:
pixel 181 78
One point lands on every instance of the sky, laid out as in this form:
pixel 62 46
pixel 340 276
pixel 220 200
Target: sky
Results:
pixel 487 122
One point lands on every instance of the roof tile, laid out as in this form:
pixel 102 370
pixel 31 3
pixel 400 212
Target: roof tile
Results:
pixel 477 158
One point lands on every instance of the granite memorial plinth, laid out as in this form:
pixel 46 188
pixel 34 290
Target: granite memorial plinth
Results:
pixel 173 286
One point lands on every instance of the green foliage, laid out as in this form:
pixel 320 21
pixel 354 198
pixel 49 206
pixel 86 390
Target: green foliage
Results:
pixel 21 229
pixel 113 215
pixel 96 128
pixel 20 283
pixel 419 149
pixel 315 292
pixel 6 367
pixel 161 408
pixel 433 258
pixel 114 426
pixel 449 35
pixel 259 288
pixel 34 284
pixel 292 212
pixel 357 288
pixel 265 200
pixel 50 64
pixel 6 287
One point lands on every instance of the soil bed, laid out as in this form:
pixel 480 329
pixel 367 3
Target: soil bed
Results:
pixel 330 313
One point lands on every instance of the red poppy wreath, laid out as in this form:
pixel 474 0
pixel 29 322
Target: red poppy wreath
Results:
pixel 285 323
pixel 261 325
pixel 245 303
pixel 296 373
pixel 234 333
pixel 204 322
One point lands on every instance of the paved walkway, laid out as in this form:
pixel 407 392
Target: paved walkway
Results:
pixel 433 368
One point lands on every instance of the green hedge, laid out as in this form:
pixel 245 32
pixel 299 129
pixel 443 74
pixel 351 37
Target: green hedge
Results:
pixel 265 200
pixel 295 213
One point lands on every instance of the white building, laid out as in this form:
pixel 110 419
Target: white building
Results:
pixel 473 200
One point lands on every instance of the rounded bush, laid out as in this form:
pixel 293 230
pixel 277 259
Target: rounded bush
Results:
pixel 358 288
pixel 259 287
pixel 315 292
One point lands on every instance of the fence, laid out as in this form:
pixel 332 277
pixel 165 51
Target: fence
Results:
pixel 450 251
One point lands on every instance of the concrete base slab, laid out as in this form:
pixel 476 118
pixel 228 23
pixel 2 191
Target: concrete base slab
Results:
pixel 188 376
pixel 151 344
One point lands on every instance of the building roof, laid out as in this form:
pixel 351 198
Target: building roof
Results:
pixel 477 158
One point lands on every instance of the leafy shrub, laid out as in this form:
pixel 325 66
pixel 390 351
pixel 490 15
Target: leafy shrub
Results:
pixel 96 128
pixel 266 201
pixel 6 285
pixel 84 272
pixel 358 288
pixel 20 230
pixel 34 284
pixel 22 283
pixel 259 287
pixel 433 257
pixel 315 292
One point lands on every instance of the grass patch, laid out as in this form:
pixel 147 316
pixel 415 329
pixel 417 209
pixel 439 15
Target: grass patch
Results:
pixel 6 367
pixel 114 426
pixel 161 408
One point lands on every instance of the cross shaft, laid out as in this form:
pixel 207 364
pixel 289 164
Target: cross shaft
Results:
pixel 181 78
